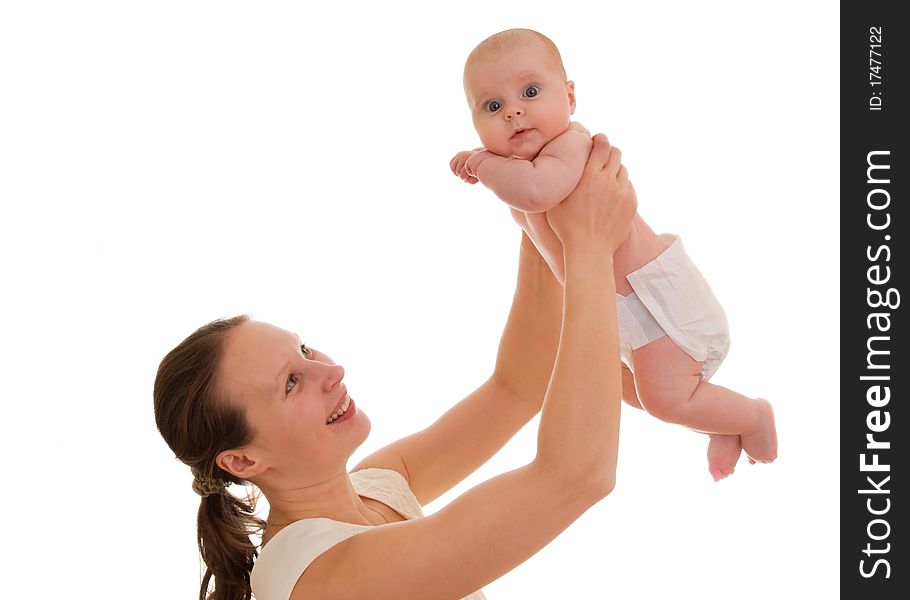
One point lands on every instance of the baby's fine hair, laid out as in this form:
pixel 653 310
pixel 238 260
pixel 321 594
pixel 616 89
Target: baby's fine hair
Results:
pixel 510 38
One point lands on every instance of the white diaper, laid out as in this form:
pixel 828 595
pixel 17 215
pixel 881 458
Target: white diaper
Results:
pixel 672 298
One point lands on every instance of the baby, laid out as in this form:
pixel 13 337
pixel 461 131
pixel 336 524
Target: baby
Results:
pixel 673 331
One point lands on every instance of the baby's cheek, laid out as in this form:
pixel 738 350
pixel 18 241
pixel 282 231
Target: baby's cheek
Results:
pixel 499 147
pixel 557 127
pixel 489 137
pixel 488 141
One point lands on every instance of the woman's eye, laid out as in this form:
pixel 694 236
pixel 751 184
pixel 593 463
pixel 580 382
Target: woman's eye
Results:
pixel 531 91
pixel 493 105
pixel 292 381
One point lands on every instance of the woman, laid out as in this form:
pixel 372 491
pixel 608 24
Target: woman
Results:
pixel 241 401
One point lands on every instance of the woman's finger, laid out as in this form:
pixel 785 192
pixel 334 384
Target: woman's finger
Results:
pixel 614 162
pixel 600 152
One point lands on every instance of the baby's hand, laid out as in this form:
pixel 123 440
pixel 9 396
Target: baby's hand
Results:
pixel 459 166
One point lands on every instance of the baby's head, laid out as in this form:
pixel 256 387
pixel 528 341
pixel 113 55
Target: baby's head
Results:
pixel 518 93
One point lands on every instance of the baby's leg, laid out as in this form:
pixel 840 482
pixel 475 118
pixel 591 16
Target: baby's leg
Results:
pixel 669 387
pixel 723 453
pixel 628 388
pixel 723 450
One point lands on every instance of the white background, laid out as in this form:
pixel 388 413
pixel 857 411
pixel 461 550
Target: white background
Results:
pixel 166 163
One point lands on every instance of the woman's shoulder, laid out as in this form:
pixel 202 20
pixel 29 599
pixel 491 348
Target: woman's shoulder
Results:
pixel 291 550
pixel 389 487
pixel 372 477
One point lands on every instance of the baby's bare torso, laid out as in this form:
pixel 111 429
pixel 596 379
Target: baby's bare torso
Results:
pixel 641 247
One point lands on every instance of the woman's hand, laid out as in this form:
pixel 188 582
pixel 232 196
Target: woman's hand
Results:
pixel 597 215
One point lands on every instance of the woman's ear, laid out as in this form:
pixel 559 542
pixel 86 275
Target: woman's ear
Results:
pixel 240 463
pixel 570 90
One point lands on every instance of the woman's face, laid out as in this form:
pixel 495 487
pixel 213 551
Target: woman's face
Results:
pixel 289 399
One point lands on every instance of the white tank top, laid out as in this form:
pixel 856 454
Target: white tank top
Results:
pixel 283 560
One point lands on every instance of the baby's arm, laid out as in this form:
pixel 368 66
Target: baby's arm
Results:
pixel 538 185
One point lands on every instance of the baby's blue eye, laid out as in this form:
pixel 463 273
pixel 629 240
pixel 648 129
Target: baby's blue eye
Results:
pixel 304 350
pixel 493 105
pixel 531 91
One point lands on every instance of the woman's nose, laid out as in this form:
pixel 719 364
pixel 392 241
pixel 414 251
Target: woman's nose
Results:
pixel 332 375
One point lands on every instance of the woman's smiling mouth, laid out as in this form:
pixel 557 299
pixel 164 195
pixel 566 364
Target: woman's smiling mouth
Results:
pixel 346 406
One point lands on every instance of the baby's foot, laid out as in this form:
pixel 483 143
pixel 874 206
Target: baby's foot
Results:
pixel 761 444
pixel 723 452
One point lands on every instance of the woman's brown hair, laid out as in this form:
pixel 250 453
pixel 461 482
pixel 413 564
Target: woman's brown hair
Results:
pixel 197 424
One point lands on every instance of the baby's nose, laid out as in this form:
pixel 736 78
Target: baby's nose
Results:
pixel 517 112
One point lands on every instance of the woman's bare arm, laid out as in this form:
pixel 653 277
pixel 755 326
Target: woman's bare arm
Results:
pixel 466 436
pixel 498 524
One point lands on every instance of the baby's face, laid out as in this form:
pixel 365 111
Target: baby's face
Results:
pixel 519 99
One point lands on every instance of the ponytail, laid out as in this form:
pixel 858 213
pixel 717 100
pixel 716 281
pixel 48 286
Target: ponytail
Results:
pixel 224 525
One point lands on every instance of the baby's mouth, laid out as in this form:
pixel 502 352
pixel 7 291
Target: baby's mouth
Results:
pixel 518 133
